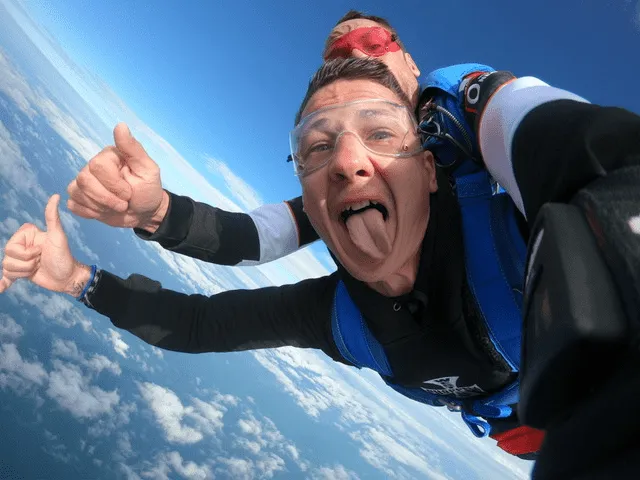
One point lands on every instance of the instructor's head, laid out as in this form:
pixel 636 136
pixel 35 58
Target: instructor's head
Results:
pixel 365 178
pixel 361 36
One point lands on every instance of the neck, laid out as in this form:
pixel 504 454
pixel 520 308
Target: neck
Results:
pixel 401 281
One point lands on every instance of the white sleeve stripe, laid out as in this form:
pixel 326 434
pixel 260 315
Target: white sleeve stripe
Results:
pixel 500 120
pixel 295 222
pixel 277 232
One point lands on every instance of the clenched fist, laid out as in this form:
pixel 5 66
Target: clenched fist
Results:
pixel 43 257
pixel 120 186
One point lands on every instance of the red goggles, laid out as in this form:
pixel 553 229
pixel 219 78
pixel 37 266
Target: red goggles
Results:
pixel 372 41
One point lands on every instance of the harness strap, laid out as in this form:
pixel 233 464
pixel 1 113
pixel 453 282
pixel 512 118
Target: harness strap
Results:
pixel 495 269
pixel 354 340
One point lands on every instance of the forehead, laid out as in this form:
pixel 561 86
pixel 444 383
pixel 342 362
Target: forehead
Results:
pixel 348 26
pixel 342 91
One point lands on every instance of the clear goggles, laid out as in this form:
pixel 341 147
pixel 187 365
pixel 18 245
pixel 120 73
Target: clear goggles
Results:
pixel 382 127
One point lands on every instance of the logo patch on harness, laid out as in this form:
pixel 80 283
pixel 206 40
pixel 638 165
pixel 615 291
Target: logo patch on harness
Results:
pixel 449 386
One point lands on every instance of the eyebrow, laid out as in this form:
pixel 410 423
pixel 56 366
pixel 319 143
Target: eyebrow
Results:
pixel 372 111
pixel 320 122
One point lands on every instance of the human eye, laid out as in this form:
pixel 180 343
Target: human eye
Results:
pixel 318 148
pixel 381 134
pixel 315 154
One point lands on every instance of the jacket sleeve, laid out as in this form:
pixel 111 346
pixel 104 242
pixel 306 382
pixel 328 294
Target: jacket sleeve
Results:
pixel 296 315
pixel 544 144
pixel 216 236
pixel 498 123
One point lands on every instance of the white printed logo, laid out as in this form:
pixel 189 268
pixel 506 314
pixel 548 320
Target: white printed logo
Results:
pixel 449 386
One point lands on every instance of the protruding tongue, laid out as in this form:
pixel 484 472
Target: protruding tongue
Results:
pixel 368 232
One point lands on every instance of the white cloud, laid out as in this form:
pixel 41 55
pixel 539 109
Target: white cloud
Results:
pixel 262 439
pixel 337 472
pixel 125 449
pixel 9 328
pixel 169 413
pixel 145 366
pixel 269 464
pixel 11 203
pixel 293 452
pixel 99 363
pixel 250 445
pixel 119 345
pixel 157 352
pixel 128 472
pixel 34 100
pixel 65 348
pixel 237 468
pixel 204 418
pixel 16 87
pixel 106 425
pixel 379 448
pixel 74 393
pixel 18 374
pixel 208 416
pixel 9 226
pixel 68 349
pixel 15 169
pixel 242 192
pixel 190 470
pixel 72 229
pixel 227 399
pixel 167 462
pixel 250 426
pixel 60 452
pixel 53 306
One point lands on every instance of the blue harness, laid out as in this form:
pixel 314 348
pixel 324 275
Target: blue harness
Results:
pixel 495 254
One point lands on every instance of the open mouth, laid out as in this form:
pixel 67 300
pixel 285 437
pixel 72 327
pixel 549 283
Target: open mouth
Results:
pixel 360 207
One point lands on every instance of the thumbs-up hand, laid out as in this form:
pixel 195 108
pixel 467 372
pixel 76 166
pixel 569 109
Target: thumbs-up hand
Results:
pixel 120 186
pixel 43 257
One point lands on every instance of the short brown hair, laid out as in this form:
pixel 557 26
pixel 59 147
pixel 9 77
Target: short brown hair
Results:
pixel 352 69
pixel 355 14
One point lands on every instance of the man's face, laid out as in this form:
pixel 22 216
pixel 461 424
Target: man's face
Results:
pixel 384 235
pixel 400 63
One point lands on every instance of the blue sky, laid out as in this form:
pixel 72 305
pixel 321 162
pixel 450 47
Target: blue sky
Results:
pixel 223 79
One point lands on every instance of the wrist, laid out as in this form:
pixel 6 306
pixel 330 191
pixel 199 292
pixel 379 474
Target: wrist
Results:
pixel 81 276
pixel 156 219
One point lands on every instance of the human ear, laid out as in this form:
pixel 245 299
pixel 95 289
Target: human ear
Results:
pixel 412 65
pixel 430 167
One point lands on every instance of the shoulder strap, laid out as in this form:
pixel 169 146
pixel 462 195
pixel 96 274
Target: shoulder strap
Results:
pixel 495 255
pixel 352 336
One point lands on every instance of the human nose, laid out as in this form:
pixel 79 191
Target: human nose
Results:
pixel 350 159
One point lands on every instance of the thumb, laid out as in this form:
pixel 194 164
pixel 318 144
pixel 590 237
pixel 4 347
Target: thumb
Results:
pixel 131 149
pixel 52 216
